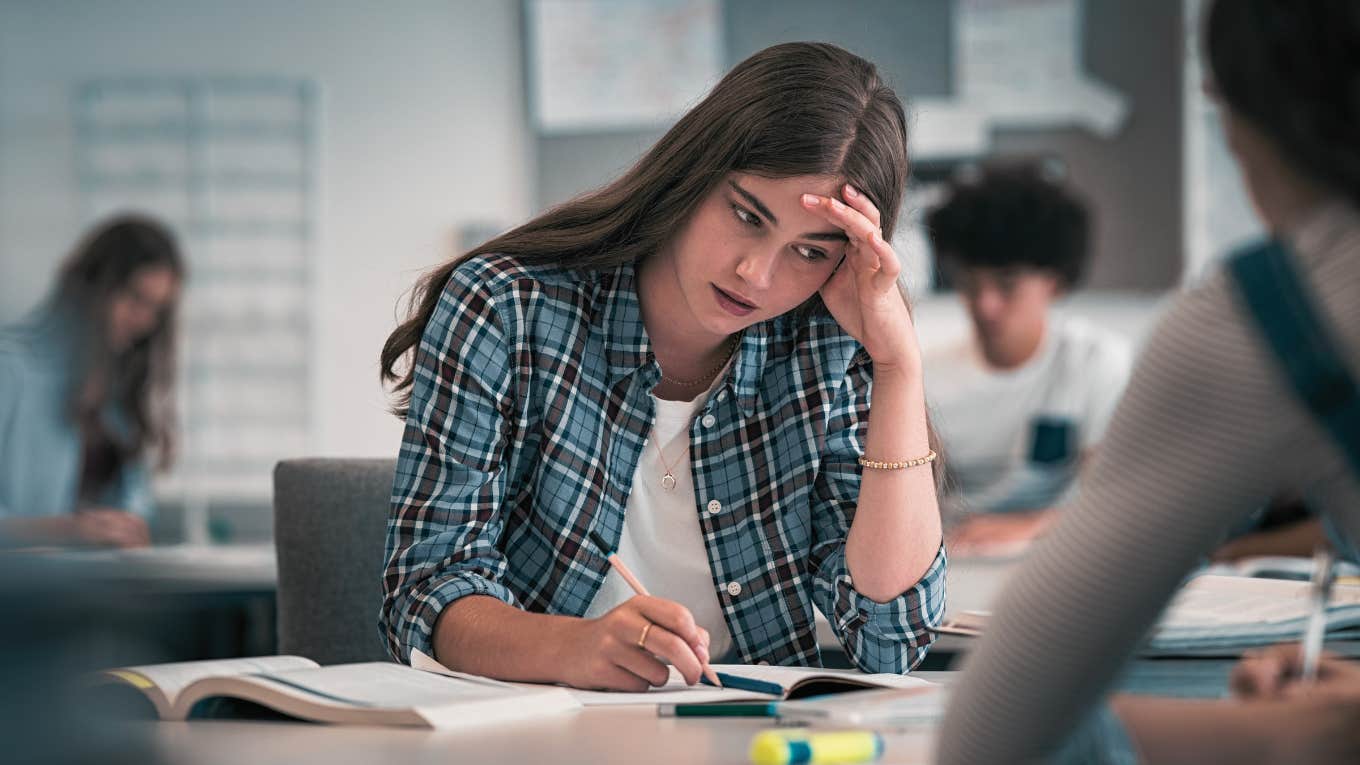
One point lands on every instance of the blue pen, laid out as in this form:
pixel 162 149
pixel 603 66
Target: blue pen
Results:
pixel 746 684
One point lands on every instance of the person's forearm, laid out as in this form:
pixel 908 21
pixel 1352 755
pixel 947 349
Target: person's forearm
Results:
pixel 896 532
pixel 485 636
pixel 17 532
pixel 1300 538
pixel 1168 731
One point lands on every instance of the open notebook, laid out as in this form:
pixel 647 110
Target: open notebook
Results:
pixel 794 683
pixel 1223 615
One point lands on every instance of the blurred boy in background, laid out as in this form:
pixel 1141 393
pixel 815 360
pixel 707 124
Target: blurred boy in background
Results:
pixel 1026 396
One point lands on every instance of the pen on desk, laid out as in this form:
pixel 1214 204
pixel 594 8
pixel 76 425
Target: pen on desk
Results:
pixel 613 558
pixel 800 747
pixel 762 709
pixel 1320 591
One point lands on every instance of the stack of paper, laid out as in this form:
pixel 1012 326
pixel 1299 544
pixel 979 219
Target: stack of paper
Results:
pixel 1232 612
pixel 1222 615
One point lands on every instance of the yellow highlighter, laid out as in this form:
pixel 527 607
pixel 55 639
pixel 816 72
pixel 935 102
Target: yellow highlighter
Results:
pixel 798 746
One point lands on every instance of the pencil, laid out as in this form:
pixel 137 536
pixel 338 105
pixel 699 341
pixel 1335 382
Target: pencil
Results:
pixel 613 558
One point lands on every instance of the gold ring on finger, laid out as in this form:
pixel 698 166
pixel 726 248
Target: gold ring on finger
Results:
pixel 642 641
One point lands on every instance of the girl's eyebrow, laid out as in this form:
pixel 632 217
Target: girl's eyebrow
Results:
pixel 822 236
pixel 754 202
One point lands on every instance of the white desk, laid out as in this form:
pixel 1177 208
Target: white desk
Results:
pixel 179 568
pixel 594 736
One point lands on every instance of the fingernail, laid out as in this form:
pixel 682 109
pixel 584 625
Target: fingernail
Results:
pixel 811 200
pixel 850 191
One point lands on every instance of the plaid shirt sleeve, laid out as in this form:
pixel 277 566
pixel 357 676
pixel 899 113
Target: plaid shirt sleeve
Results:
pixel 443 534
pixel 878 637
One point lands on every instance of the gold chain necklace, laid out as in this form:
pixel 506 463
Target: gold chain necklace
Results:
pixel 708 376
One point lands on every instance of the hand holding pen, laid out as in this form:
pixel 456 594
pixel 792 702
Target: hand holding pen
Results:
pixel 1270 672
pixel 665 629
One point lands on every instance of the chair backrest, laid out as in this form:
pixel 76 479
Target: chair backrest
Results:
pixel 330 523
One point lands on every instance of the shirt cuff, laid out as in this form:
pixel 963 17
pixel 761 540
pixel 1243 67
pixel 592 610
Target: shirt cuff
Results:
pixel 419 611
pixel 884 637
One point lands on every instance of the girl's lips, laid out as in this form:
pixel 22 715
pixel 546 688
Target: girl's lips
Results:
pixel 731 304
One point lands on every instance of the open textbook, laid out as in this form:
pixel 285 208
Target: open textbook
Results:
pixel 426 694
pixel 1222 615
pixel 375 693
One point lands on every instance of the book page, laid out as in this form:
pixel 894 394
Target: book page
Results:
pixel 383 685
pixel 173 678
pixel 787 676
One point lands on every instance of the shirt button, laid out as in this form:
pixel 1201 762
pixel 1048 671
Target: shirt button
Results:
pixel 714 506
pixel 722 395
pixel 763 663
pixel 709 421
pixel 734 588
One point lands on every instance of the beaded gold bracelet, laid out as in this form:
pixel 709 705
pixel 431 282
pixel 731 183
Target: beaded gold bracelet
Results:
pixel 930 457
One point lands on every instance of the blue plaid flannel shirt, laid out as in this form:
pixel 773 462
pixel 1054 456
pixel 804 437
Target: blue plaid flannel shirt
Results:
pixel 528 415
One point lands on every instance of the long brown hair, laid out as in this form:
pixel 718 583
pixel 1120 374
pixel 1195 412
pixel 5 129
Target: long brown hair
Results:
pixel 138 381
pixel 791 109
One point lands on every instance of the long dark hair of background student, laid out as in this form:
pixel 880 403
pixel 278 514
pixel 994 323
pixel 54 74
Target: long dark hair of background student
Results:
pixel 1293 76
pixel 137 381
pixel 856 123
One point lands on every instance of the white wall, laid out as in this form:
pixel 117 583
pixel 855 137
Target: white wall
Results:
pixel 422 131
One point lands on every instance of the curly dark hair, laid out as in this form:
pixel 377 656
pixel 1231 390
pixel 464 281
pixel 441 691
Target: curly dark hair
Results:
pixel 1292 69
pixel 1008 215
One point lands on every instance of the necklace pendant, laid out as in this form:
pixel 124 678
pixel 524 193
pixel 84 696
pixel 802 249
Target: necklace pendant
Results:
pixel 668 482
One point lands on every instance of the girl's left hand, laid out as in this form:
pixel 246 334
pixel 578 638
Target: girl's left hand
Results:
pixel 862 295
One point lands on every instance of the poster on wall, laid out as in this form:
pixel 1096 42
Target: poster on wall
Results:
pixel 598 65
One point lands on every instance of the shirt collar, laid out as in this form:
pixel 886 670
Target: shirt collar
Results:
pixel 628 349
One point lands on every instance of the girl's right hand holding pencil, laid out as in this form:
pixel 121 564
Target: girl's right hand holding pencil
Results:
pixel 627 648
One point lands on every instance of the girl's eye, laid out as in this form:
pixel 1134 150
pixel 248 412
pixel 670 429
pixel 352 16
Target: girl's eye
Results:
pixel 745 216
pixel 810 254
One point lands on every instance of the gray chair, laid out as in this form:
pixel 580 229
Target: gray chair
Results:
pixel 330 522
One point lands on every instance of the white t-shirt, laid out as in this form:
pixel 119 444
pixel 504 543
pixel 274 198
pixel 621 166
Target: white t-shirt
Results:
pixel 1013 438
pixel 662 543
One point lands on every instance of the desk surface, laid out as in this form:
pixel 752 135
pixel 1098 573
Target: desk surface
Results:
pixel 593 736
pixel 179 568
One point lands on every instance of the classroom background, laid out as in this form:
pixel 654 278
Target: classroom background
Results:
pixel 315 156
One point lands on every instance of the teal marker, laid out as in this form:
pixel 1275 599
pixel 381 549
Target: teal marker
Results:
pixel 798 746
pixel 762 709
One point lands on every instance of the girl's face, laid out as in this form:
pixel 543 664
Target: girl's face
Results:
pixel 751 251
pixel 136 308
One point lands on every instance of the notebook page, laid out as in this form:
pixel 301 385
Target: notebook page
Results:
pixel 673 692
pixel 787 676
pixel 1208 601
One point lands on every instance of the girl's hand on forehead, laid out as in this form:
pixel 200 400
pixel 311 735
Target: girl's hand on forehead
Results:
pixel 862 294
